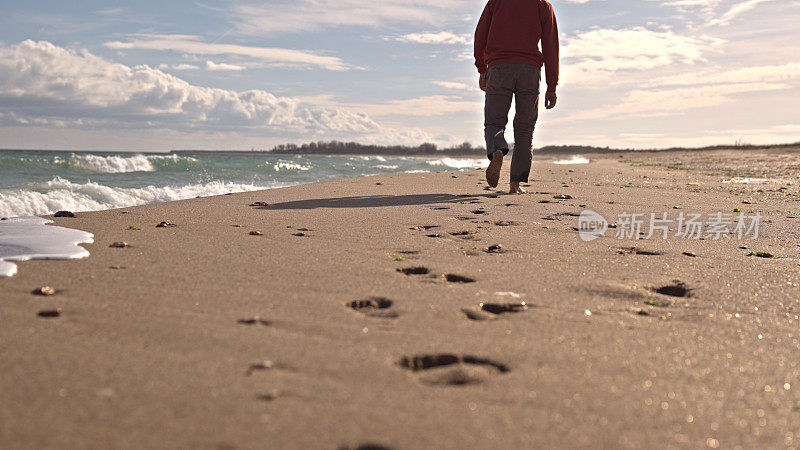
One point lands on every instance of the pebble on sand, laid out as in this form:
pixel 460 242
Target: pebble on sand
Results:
pixel 495 248
pixel 64 214
pixel 166 225
pixel 562 197
pixel 256 233
pixel 50 313
pixel 259 204
pixel 120 244
pixel 253 321
pixel 298 234
pixel 691 254
pixel 44 290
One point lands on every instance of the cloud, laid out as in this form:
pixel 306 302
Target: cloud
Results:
pixel 178 67
pixel 670 101
pixel 455 85
pixel 43 84
pixel 735 10
pixel 442 37
pixel 211 65
pixel 194 46
pixel 756 74
pixel 592 56
pixel 298 16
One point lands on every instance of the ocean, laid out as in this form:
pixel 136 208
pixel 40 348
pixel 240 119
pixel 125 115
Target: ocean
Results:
pixel 42 182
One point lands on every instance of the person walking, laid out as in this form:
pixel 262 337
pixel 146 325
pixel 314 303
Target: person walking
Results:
pixel 509 62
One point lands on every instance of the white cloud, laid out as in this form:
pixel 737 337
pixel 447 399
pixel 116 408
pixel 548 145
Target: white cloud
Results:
pixel 735 10
pixel 297 16
pixel 764 74
pixel 456 85
pixel 178 67
pixel 592 56
pixel 192 45
pixel 442 37
pixel 43 84
pixel 669 101
pixel 211 65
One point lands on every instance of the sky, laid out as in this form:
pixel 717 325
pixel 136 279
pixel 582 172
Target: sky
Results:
pixel 156 76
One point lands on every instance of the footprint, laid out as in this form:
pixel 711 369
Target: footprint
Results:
pixel 506 223
pixel 677 289
pixel 414 270
pixel 491 311
pixel 452 370
pixel 365 447
pixel 453 278
pixel 423 227
pixel 374 307
pixel 463 234
pixel 503 308
pixel 639 251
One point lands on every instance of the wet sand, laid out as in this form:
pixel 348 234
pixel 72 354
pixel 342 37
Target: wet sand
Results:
pixel 371 311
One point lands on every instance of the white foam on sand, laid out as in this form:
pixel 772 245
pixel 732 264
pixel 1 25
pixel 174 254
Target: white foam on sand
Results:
pixel 574 160
pixel 26 238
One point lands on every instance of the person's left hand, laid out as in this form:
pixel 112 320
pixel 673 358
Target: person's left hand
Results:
pixel 550 100
pixel 482 82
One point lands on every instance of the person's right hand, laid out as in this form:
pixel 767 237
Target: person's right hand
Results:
pixel 550 99
pixel 482 82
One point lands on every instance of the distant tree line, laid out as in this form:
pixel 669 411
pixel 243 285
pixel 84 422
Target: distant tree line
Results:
pixel 354 148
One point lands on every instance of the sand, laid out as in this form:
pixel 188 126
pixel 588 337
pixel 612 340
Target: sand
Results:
pixel 205 336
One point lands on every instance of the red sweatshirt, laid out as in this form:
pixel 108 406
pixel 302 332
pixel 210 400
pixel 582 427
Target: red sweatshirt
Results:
pixel 509 32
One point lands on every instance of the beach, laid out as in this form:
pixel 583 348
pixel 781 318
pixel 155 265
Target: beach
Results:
pixel 422 310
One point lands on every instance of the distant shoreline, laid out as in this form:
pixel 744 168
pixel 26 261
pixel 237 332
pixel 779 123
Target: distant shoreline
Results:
pixel 478 151
pixel 473 152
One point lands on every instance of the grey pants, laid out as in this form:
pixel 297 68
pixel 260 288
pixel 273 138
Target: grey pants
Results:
pixel 503 82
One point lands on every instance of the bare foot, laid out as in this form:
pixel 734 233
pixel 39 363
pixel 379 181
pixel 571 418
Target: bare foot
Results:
pixel 515 189
pixel 493 171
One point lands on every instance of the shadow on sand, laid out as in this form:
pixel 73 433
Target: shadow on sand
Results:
pixel 372 201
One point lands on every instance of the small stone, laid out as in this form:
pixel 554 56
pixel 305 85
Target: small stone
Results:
pixel 50 313
pixel 256 233
pixel 299 234
pixel 676 207
pixel 44 290
pixel 495 248
pixel 4 218
pixel 562 197
pixel 478 211
pixel 571 170
pixel 690 254
pixel 434 235
pixel 120 244
pixel 253 321
pixel 238 226
pixel 380 183
pixel 259 204
pixel 747 202
pixel 64 214
pixel 166 225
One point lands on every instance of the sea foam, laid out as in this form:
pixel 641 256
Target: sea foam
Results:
pixel 25 238
pixel 118 163
pixel 60 194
